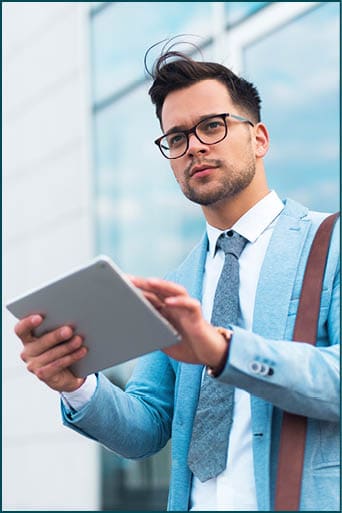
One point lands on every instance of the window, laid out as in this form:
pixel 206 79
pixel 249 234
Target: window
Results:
pixel 291 52
pixel 297 68
pixel 237 11
pixel 123 31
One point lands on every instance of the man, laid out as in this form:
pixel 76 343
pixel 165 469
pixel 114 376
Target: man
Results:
pixel 215 141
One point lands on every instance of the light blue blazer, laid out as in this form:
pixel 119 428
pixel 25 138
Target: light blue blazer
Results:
pixel 160 399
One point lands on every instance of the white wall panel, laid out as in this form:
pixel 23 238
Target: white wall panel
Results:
pixel 57 194
pixel 46 254
pixel 11 348
pixel 48 229
pixel 42 65
pixel 46 129
pixel 29 21
pixel 44 417
pixel 39 475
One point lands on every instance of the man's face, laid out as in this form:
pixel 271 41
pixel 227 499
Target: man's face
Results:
pixel 210 173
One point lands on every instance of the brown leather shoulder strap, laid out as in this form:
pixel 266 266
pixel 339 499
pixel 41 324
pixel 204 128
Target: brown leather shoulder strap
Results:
pixel 293 432
pixel 308 309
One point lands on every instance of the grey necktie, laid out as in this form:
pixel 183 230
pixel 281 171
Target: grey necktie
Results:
pixel 214 415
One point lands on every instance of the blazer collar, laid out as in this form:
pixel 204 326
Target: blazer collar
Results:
pixel 253 223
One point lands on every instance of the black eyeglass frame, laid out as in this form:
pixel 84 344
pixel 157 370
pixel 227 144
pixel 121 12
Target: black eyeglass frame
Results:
pixel 192 130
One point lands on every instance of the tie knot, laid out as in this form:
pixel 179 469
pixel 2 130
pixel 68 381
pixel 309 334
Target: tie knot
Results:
pixel 231 243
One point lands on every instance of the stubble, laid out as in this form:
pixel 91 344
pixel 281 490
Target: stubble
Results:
pixel 229 182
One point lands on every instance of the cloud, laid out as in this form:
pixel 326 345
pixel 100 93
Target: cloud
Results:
pixel 299 64
pixel 303 150
pixel 322 195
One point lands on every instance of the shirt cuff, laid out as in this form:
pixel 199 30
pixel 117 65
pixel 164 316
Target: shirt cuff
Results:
pixel 80 397
pixel 227 335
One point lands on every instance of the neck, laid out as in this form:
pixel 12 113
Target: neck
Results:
pixel 225 213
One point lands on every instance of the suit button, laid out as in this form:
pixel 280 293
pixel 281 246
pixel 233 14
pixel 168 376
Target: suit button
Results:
pixel 261 368
pixel 255 367
pixel 264 369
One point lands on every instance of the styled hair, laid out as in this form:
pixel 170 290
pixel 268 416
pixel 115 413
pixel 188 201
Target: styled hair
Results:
pixel 175 70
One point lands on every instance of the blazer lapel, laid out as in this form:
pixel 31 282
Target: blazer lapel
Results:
pixel 190 273
pixel 279 271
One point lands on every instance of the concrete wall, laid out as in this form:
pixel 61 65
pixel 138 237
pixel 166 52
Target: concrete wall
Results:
pixel 48 228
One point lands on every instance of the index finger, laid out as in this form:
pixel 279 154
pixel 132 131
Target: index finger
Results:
pixel 23 329
pixel 165 288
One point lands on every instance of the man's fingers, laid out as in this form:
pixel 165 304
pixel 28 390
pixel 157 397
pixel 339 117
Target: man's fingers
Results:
pixel 167 288
pixel 158 291
pixel 137 281
pixel 154 299
pixel 53 354
pixel 151 289
pixel 23 329
pixel 185 303
pixel 49 356
pixel 46 342
pixel 47 372
pixel 158 286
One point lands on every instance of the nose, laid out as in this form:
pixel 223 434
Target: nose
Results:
pixel 196 146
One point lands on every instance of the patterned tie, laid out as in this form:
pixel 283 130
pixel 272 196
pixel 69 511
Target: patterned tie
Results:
pixel 214 415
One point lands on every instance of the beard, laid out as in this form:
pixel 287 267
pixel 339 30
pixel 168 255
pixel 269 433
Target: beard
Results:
pixel 231 183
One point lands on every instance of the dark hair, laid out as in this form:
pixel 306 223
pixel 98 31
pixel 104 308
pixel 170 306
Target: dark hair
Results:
pixel 174 70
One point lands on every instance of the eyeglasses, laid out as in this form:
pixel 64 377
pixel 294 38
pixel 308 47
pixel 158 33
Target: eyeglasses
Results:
pixel 210 130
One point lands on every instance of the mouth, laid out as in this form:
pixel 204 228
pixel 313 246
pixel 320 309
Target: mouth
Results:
pixel 202 170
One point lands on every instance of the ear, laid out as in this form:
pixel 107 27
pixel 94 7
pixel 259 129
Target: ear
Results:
pixel 262 140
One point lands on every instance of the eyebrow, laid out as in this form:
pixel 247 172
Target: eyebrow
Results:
pixel 181 128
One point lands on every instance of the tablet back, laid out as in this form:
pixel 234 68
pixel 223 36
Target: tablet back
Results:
pixel 113 316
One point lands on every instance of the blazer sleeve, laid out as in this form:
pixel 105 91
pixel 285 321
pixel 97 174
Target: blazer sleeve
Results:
pixel 134 423
pixel 301 379
pixel 294 376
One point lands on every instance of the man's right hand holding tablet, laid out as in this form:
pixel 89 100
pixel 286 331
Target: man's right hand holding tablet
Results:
pixel 50 355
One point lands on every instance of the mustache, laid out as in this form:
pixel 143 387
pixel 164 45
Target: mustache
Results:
pixel 203 162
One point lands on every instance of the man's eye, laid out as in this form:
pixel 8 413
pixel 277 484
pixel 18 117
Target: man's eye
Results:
pixel 175 140
pixel 211 126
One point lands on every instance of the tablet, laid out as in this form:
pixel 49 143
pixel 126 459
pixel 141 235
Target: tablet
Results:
pixel 117 322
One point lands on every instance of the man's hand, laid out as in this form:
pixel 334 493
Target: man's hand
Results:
pixel 50 355
pixel 200 343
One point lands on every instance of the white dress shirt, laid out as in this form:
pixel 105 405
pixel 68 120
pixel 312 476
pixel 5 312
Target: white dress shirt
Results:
pixel 234 488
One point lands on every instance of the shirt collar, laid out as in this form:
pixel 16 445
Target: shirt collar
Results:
pixel 253 223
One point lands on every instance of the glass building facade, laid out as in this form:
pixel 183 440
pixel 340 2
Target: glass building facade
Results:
pixel 142 219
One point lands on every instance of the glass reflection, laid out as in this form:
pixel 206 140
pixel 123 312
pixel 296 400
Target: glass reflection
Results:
pixel 236 11
pixel 123 30
pixel 298 71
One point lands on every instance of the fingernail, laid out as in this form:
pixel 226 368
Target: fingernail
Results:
pixel 66 332
pixel 76 342
pixel 36 319
pixel 82 351
pixel 153 281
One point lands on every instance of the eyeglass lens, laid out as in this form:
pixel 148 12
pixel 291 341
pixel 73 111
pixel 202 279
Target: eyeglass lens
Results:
pixel 209 131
